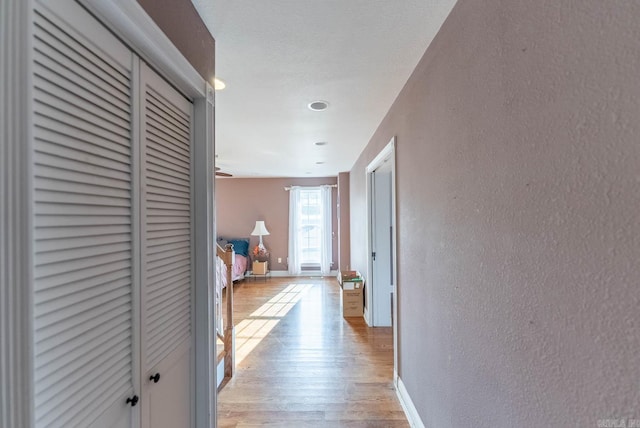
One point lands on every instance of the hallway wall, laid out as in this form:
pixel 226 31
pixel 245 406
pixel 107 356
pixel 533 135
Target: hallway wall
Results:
pixel 518 190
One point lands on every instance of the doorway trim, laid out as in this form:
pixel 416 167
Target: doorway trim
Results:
pixel 16 213
pixel 388 152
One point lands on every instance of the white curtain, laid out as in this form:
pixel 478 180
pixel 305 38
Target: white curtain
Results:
pixel 327 244
pixel 294 241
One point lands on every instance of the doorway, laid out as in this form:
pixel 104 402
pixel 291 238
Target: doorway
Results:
pixel 380 299
pixel 381 229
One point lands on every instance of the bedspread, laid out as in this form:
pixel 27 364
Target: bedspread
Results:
pixel 239 268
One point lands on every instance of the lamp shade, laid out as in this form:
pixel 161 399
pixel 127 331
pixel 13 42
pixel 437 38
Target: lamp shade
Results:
pixel 260 229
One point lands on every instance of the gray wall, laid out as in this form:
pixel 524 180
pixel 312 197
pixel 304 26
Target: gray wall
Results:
pixel 518 183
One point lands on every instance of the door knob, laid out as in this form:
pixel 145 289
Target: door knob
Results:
pixel 155 378
pixel 133 400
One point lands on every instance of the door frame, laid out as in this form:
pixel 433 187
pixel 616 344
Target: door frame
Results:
pixel 388 152
pixel 16 213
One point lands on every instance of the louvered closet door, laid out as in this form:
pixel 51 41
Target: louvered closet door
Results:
pixel 83 237
pixel 167 253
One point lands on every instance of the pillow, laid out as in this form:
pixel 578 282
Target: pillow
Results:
pixel 222 242
pixel 240 246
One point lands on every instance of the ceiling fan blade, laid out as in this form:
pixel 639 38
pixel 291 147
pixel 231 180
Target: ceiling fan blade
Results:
pixel 223 174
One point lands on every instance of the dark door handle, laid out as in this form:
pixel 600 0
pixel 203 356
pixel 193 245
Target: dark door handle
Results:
pixel 133 400
pixel 155 378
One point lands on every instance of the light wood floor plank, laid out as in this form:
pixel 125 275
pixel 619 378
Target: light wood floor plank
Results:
pixel 306 365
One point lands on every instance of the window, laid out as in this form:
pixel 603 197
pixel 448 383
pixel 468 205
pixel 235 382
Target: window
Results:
pixel 310 229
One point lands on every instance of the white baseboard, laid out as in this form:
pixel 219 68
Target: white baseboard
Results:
pixel 284 273
pixel 407 404
pixel 366 317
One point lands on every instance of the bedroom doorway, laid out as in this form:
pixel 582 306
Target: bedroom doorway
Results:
pixel 381 276
pixel 381 294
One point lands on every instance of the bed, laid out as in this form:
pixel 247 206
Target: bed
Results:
pixel 240 262
pixel 231 265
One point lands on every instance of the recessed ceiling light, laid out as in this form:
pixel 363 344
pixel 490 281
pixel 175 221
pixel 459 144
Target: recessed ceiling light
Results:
pixel 319 163
pixel 321 143
pixel 318 105
pixel 218 84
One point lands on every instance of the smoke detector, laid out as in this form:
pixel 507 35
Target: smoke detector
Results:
pixel 318 105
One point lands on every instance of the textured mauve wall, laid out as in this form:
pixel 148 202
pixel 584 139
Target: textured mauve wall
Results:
pixel 180 21
pixel 242 201
pixel 518 183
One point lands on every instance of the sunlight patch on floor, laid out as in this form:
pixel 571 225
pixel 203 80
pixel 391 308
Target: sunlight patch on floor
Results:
pixel 251 331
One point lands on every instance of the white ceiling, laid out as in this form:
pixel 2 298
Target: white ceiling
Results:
pixel 277 56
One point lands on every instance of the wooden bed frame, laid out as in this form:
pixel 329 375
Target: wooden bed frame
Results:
pixel 228 336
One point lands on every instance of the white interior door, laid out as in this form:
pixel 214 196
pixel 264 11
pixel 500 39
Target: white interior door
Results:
pixel 167 253
pixel 381 231
pixel 84 304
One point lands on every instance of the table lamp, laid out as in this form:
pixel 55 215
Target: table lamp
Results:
pixel 260 230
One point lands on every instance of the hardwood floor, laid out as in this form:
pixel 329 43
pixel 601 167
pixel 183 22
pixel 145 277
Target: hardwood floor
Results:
pixel 301 364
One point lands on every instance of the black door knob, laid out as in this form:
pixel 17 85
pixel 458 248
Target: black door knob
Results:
pixel 155 378
pixel 133 400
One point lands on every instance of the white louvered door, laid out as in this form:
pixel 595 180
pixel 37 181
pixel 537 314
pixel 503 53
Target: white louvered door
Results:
pixel 113 231
pixel 84 304
pixel 167 253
